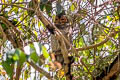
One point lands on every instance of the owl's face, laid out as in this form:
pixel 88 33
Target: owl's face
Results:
pixel 61 20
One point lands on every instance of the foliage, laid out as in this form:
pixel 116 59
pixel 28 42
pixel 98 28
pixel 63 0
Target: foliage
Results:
pixel 92 22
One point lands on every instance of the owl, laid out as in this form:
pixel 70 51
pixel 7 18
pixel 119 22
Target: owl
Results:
pixel 62 23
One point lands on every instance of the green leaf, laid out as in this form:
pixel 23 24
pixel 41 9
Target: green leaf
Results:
pixel 17 51
pixel 34 57
pixel 117 28
pixel 26 74
pixel 9 57
pixel 33 54
pixel 15 57
pixel 5 14
pixel 109 18
pixel 45 53
pixel 42 25
pixel 7 68
pixel 81 42
pixel 48 8
pixel 36 34
pixel 72 8
pixel 32 48
pixel 21 55
pixel 14 21
pixel 42 6
pixel 64 78
pixel 31 5
pixel 16 10
pixel 106 30
pixel 4 26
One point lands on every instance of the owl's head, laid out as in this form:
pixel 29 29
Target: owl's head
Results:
pixel 61 19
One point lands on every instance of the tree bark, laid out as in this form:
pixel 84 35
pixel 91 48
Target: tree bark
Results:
pixel 111 72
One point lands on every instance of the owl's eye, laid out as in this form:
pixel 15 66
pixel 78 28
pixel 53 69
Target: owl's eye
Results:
pixel 63 19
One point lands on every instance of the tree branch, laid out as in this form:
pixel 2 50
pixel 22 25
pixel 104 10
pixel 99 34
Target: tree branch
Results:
pixel 3 34
pixel 40 70
pixel 18 71
pixel 15 6
pixel 9 24
pixel 112 34
pixel 11 33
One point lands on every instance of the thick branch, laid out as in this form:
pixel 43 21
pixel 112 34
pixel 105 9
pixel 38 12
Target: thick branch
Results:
pixel 9 24
pixel 66 60
pixel 40 70
pixel 18 71
pixel 3 35
pixel 11 33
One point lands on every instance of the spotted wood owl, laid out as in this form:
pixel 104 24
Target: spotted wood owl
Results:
pixel 62 23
